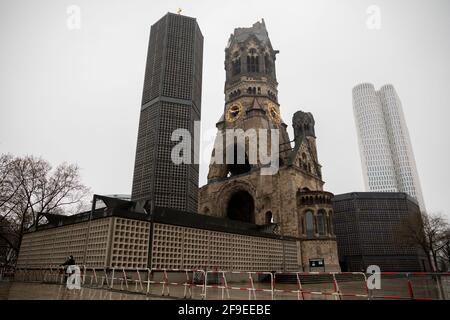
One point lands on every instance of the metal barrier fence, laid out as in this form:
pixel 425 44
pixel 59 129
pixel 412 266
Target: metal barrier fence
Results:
pixel 133 280
pixel 413 286
pixel 321 285
pixel 221 284
pixel 243 285
pixel 6 272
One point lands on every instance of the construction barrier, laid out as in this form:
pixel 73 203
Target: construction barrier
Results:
pixel 91 276
pixel 249 285
pixel 31 274
pixel 291 286
pixel 133 280
pixel 242 284
pixel 351 285
pixel 191 281
pixel 320 285
pixel 6 273
pixel 54 274
pixel 413 286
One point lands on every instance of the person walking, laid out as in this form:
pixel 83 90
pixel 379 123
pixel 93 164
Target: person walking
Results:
pixel 70 261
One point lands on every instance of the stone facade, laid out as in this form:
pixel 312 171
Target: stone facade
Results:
pixel 292 200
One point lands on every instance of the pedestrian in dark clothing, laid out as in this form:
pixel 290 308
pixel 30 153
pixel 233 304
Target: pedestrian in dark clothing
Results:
pixel 70 261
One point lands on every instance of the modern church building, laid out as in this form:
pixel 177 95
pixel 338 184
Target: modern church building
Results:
pixel 171 100
pixel 385 147
pixel 368 228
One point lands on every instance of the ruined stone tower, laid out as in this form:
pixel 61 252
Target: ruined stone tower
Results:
pixel 289 201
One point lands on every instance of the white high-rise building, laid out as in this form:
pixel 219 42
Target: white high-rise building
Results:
pixel 385 147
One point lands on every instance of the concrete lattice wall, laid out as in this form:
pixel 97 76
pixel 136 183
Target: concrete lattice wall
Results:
pixel 180 247
pixel 52 246
pixel 120 242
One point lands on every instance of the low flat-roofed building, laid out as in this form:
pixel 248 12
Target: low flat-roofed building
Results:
pixel 119 234
pixel 367 227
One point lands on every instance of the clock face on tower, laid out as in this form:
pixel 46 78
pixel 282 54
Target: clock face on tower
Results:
pixel 274 113
pixel 233 112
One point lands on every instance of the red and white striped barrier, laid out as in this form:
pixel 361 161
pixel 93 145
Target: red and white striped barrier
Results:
pixel 250 288
pixel 413 286
pixel 316 286
pixel 188 284
pixel 297 285
pixel 223 286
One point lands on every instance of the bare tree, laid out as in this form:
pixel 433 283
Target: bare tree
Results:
pixel 445 252
pixel 30 189
pixel 8 241
pixel 426 232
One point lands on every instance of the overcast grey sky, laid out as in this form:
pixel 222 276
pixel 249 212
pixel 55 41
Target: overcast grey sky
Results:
pixel 74 95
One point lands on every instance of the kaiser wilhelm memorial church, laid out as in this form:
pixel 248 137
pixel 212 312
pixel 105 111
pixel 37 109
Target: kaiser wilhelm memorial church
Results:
pixel 251 215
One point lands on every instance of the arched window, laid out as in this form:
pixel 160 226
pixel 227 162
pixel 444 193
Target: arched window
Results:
pixel 241 207
pixel 321 227
pixel 268 64
pixel 328 223
pixel 252 61
pixel 303 162
pixel 309 224
pixel 237 168
pixel 269 217
pixel 330 218
pixel 302 225
pixel 236 66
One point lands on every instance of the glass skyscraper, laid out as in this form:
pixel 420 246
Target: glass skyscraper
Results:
pixel 385 147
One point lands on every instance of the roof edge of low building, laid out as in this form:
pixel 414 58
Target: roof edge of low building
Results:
pixel 373 195
pixel 131 210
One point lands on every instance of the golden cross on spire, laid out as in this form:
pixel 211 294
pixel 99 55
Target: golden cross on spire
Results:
pixel 179 10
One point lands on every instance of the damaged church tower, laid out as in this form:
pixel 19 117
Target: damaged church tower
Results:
pixel 291 201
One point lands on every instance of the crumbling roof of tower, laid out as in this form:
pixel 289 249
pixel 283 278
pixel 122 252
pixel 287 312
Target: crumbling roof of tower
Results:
pixel 258 29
